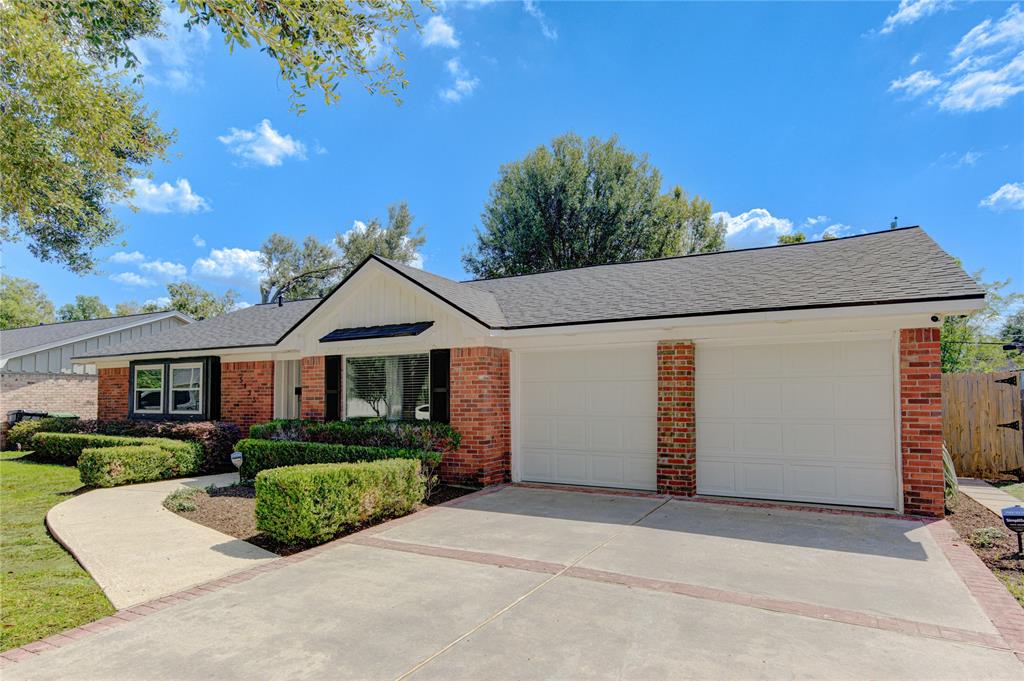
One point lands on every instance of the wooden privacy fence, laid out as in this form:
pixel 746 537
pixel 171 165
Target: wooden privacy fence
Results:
pixel 981 422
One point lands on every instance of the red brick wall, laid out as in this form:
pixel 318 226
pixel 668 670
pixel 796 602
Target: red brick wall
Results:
pixel 247 392
pixel 921 421
pixel 112 394
pixel 677 442
pixel 480 410
pixel 313 404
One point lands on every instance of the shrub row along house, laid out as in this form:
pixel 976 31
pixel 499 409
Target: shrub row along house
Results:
pixel 36 372
pixel 807 372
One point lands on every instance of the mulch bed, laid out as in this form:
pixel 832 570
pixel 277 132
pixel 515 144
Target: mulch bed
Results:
pixel 968 517
pixel 232 510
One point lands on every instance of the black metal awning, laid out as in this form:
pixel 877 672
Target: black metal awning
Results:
pixel 383 331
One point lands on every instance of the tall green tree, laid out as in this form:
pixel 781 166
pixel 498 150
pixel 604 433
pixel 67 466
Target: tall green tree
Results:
pixel 84 307
pixel 134 307
pixel 198 302
pixel 399 240
pixel 74 131
pixel 1013 328
pixel 582 202
pixel 296 272
pixel 972 343
pixel 23 303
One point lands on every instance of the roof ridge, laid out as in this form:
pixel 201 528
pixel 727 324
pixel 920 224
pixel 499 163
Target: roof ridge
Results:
pixel 697 255
pixel 95 319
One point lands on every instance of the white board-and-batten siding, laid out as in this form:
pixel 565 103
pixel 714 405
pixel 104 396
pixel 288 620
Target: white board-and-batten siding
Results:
pixel 58 360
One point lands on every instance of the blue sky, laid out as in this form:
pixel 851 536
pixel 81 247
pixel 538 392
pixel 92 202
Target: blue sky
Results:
pixel 785 115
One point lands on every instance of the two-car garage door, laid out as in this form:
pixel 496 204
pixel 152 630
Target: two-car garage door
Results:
pixel 792 421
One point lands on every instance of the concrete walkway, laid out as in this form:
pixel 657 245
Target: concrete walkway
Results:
pixel 989 496
pixel 137 550
pixel 525 584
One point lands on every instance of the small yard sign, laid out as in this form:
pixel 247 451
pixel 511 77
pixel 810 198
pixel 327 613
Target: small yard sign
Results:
pixel 1013 518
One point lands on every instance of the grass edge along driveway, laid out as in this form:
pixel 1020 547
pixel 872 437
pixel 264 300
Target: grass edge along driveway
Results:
pixel 43 589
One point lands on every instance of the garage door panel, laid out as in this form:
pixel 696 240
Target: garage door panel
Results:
pixel 759 437
pixel 757 399
pixel 763 478
pixel 816 425
pixel 809 399
pixel 599 422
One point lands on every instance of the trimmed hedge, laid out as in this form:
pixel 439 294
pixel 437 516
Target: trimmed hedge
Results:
pixel 259 455
pixel 312 504
pixel 19 436
pixel 217 438
pixel 66 448
pixel 426 435
pixel 123 465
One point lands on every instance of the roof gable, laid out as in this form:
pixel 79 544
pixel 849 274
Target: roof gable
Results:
pixel 30 339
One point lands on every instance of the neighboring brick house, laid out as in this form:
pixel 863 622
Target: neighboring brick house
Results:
pixel 804 373
pixel 36 372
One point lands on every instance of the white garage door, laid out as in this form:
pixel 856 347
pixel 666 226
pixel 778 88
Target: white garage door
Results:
pixel 588 417
pixel 798 421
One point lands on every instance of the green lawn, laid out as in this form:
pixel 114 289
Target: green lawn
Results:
pixel 43 589
pixel 1015 489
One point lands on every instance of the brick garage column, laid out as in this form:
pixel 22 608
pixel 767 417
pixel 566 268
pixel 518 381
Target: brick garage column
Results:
pixel 313 403
pixel 677 432
pixel 921 421
pixel 247 393
pixel 480 410
pixel 112 394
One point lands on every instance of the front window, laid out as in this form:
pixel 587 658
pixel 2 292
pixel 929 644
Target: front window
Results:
pixel 396 387
pixel 186 388
pixel 149 389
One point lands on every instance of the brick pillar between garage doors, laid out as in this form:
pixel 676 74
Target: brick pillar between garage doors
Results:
pixel 921 421
pixel 677 427
pixel 480 410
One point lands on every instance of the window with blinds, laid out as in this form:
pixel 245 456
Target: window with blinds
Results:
pixel 396 387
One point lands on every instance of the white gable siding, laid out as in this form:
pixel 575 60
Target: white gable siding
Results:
pixel 384 298
pixel 58 360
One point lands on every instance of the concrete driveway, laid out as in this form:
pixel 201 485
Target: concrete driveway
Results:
pixel 538 584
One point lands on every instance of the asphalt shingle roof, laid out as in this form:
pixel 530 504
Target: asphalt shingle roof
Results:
pixel 27 337
pixel 252 326
pixel 895 266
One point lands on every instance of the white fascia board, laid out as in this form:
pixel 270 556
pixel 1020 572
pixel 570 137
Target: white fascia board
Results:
pixel 250 354
pixel 86 336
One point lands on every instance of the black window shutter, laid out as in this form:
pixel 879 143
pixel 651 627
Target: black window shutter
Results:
pixel 440 365
pixel 332 388
pixel 213 388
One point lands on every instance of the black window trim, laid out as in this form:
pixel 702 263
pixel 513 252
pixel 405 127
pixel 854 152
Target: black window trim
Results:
pixel 209 390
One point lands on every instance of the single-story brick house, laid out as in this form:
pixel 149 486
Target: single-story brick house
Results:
pixel 806 373
pixel 36 371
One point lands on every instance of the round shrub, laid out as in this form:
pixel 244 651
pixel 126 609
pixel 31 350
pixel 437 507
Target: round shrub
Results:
pixel 311 504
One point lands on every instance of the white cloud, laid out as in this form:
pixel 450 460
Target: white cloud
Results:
pixel 165 197
pixel 987 89
pixel 124 258
pixel 237 265
pixel 755 227
pixel 916 58
pixel 439 32
pixel 817 220
pixel 1007 33
pixel 915 84
pixel 463 85
pixel 162 301
pixel 911 11
pixel 532 8
pixel 969 158
pixel 263 145
pixel 174 60
pixel 1008 197
pixel 199 241
pixel 165 269
pixel 132 279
